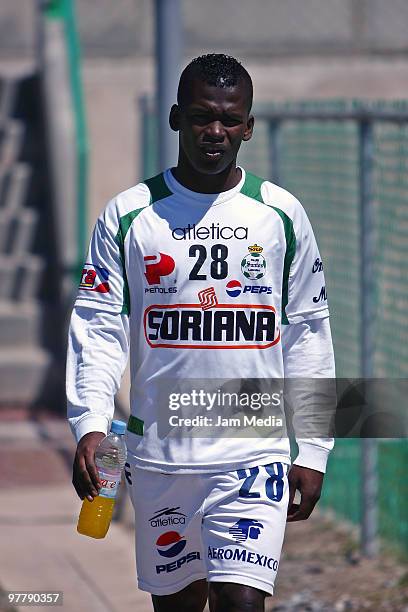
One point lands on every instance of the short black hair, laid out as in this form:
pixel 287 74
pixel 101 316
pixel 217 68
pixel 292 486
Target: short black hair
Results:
pixel 215 69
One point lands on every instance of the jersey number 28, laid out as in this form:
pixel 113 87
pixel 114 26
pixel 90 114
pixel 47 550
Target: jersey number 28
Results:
pixel 274 485
pixel 219 264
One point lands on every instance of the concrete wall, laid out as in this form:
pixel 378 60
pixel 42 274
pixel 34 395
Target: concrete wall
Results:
pixel 254 28
pixel 294 49
pixel 17 28
pixel 113 88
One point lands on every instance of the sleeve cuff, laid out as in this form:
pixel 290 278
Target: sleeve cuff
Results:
pixel 314 455
pixel 88 424
pixel 323 313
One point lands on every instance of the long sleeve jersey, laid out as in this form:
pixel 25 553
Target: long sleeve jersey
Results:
pixel 201 287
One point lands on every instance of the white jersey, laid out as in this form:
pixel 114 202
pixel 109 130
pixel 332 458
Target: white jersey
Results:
pixel 208 282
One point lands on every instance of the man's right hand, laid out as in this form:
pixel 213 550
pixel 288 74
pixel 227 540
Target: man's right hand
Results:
pixel 85 476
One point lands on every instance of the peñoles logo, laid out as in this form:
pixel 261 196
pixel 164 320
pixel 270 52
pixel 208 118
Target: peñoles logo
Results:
pixel 225 326
pixel 213 231
pixel 161 267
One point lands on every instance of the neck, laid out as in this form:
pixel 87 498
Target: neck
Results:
pixel 207 183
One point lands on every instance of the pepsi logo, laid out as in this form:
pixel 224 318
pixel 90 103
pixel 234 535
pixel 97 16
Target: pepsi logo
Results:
pixel 233 288
pixel 170 544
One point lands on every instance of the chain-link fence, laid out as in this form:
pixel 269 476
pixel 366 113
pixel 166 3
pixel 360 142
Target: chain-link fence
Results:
pixel 348 165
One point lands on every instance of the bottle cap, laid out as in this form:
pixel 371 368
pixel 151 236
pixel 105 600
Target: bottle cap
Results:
pixel 118 427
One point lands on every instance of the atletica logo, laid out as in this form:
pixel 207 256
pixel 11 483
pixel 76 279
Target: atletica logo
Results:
pixel 168 516
pixel 226 326
pixel 213 232
pixel 244 529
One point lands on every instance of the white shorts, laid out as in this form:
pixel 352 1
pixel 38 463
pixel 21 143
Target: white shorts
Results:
pixel 224 527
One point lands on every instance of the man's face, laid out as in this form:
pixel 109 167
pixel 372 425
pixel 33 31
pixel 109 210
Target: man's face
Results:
pixel 212 125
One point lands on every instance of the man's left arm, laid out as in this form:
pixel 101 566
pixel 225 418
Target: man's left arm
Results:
pixel 309 363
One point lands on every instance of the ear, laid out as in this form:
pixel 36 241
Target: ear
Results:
pixel 249 128
pixel 174 118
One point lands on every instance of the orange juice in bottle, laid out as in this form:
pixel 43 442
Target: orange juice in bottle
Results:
pixel 110 457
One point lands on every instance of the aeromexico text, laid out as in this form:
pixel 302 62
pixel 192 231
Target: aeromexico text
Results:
pixel 213 232
pixel 187 325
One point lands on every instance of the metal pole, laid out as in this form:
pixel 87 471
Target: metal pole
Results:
pixel 369 523
pixel 168 61
pixel 274 150
pixel 39 34
pixel 145 143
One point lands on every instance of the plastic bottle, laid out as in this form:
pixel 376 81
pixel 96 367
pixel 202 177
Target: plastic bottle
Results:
pixel 110 457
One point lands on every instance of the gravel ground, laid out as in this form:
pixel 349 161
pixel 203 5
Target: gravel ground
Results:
pixel 322 571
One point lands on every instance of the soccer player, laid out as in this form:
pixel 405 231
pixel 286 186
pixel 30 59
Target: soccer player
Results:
pixel 205 271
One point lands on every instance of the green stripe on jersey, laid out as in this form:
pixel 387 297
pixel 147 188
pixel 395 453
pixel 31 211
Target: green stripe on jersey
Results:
pixel 124 224
pixel 252 188
pixel 289 255
pixel 158 190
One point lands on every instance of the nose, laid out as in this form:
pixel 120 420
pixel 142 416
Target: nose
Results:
pixel 215 131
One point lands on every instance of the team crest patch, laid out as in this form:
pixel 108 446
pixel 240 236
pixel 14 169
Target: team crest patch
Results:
pixel 253 266
pixel 94 278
